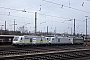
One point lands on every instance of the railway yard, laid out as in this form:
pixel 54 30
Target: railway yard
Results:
pixel 8 51
pixel 44 30
pixel 63 52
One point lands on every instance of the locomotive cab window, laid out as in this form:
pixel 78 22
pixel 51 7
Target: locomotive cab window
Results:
pixel 15 38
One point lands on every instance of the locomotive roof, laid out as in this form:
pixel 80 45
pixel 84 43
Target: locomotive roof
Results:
pixel 7 35
pixel 32 36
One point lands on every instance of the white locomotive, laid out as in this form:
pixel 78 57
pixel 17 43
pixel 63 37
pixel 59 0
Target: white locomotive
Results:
pixel 45 40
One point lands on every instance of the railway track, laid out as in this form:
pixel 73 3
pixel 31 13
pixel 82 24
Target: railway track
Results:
pixel 14 50
pixel 63 55
pixel 59 52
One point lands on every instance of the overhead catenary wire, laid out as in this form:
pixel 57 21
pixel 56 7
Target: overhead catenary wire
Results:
pixel 16 9
pixel 39 14
pixel 32 12
pixel 65 6
pixel 87 0
pixel 53 16
pixel 15 16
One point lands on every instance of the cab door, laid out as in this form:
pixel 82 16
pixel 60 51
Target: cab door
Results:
pixel 21 40
pixel 31 40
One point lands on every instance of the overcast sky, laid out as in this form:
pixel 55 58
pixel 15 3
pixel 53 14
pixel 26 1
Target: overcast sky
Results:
pixel 56 14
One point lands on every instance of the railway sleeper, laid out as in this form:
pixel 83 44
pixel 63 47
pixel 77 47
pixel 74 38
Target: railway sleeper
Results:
pixel 79 53
pixel 70 54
